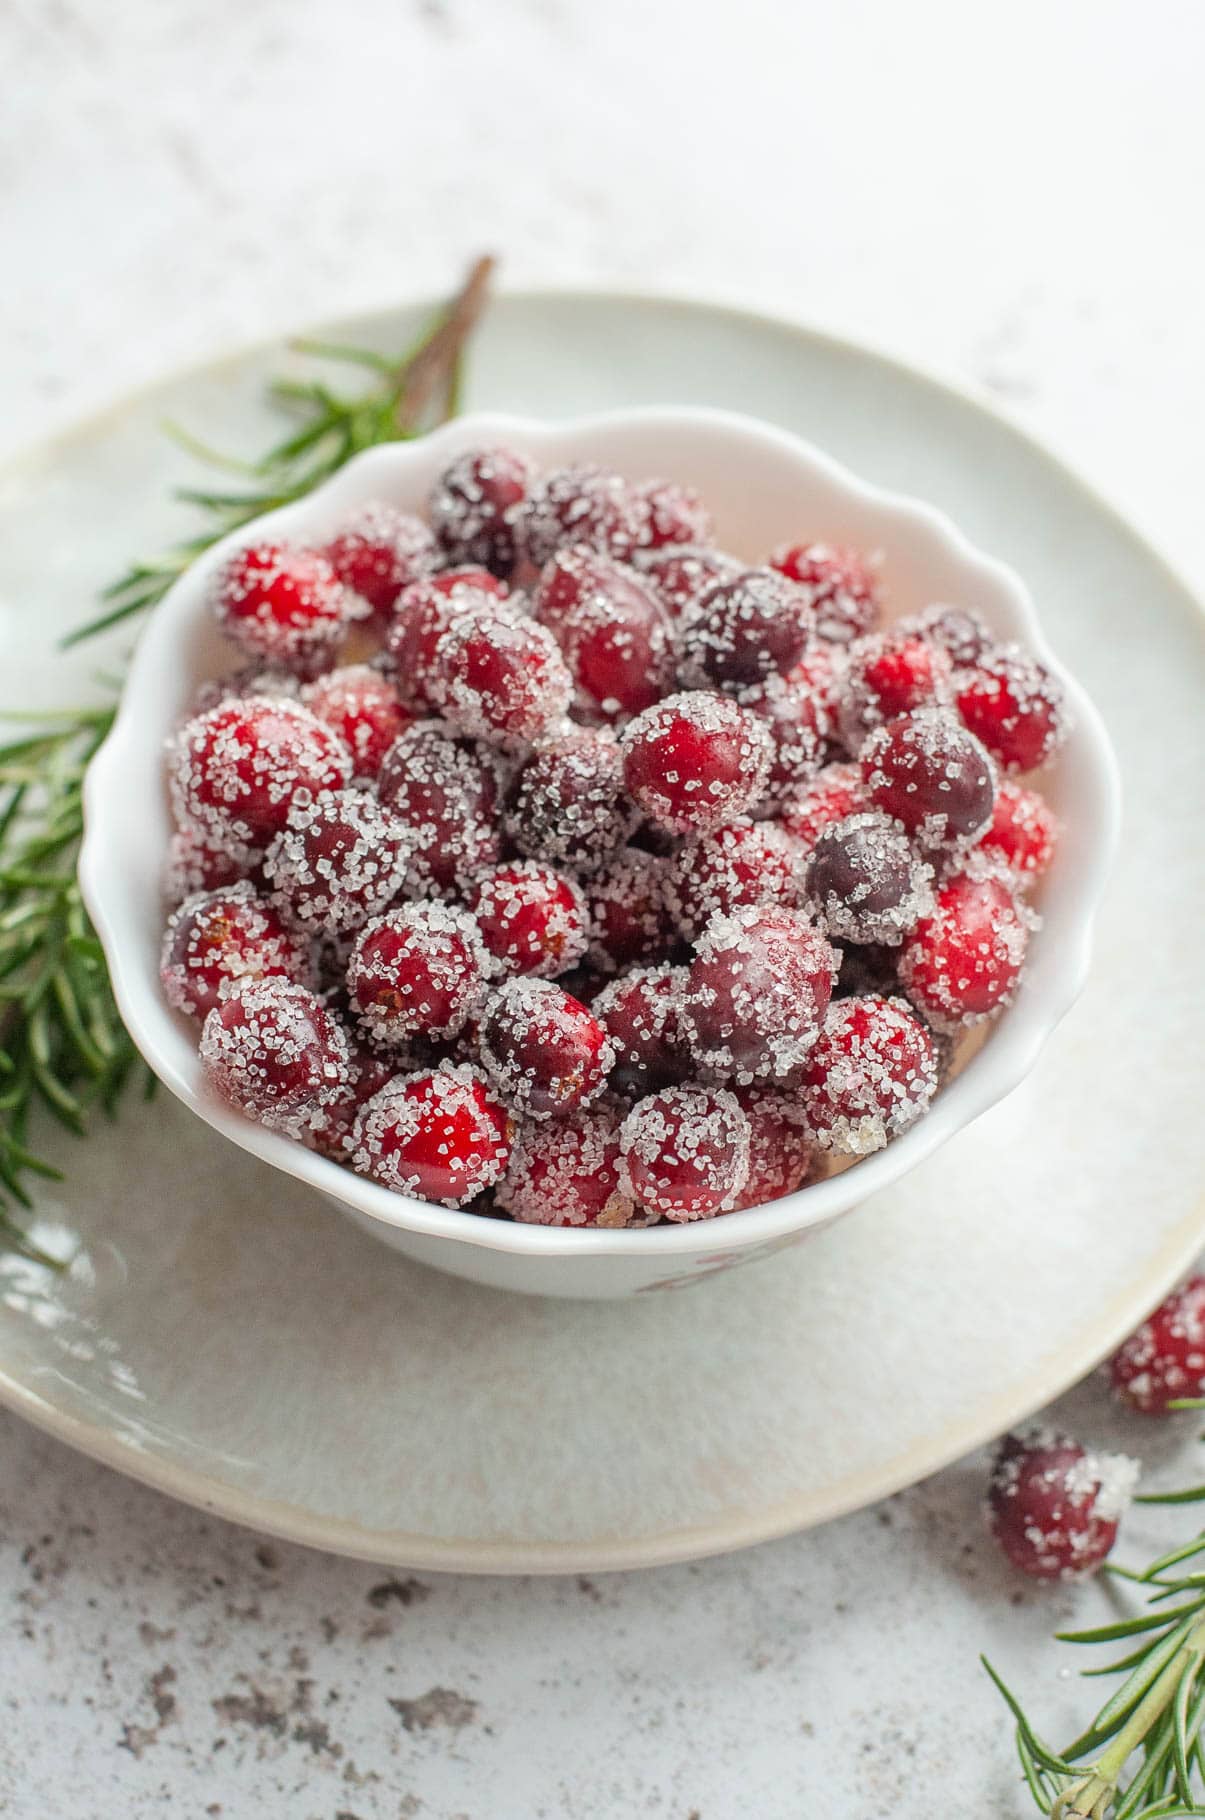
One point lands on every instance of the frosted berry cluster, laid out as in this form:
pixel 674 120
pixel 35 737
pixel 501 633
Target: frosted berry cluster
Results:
pixel 542 857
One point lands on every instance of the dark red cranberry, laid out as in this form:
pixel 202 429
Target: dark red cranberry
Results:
pixel 568 805
pixel 1015 706
pixel 566 1172
pixel 378 552
pixel 887 675
pixel 961 634
pixel 782 1158
pixel 446 793
pixel 424 614
pixel 272 1050
pixel 640 1012
pixel 216 941
pixel 865 883
pixel 532 918
pixel 963 960
pixel 1022 833
pixel 742 862
pixel 630 920
pixel 286 606
pixel 364 709
pixel 679 573
pixel 842 584
pixel 418 971
pixel 198 862
pixel 742 630
pixel 548 1055
pixel 834 793
pixel 441 1136
pixel 237 770
pixel 931 775
pixel 1054 1507
pixel 696 760
pixel 670 514
pixel 580 505
pixel 475 504
pixel 871 1073
pixel 799 727
pixel 686 1152
pixel 330 1129
pixel 504 679
pixel 339 860
pixel 756 993
pixel 611 628
pixel 1165 1359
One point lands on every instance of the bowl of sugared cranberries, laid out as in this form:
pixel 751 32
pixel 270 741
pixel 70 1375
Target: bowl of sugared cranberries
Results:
pixel 596 854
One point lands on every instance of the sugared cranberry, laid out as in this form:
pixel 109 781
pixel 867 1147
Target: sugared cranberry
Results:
pixel 216 941
pixel 1053 1507
pixel 681 572
pixel 959 632
pixel 441 1136
pixel 871 1072
pixel 834 793
pixel 640 1012
pixel 696 760
pixel 568 804
pixel 842 584
pixel 670 514
pixel 272 1050
pixel 338 861
pixel 446 792
pixel 756 993
pixel 364 709
pixel 581 505
pixel 612 629
pixel 686 1152
pixel 197 862
pixel 378 552
pixel 931 775
pixel 963 961
pixel 417 971
pixel 742 630
pixel 799 727
pixel 329 1130
pixel 475 504
pixel 630 919
pixel 532 918
pixel 781 1155
pixel 286 606
pixel 1022 832
pixel 425 612
pixel 742 862
pixel 566 1172
pixel 887 675
pixel 1165 1359
pixel 1015 706
pixel 865 883
pixel 504 678
pixel 237 770
pixel 548 1055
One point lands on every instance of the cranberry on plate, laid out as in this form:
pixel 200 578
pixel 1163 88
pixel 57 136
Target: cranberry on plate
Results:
pixel 1053 1506
pixel 1164 1360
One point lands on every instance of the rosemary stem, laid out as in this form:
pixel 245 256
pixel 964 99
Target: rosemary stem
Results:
pixel 1090 1800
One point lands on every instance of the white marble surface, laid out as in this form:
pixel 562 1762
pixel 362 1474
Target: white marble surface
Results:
pixel 1012 194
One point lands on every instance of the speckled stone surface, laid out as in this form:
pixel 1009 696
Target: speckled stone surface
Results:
pixel 1017 206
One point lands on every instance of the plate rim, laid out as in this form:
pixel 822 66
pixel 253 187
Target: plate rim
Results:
pixel 734 1530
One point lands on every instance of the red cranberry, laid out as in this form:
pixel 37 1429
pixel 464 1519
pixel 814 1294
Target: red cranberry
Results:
pixel 363 708
pixel 742 630
pixel 686 1152
pixel 286 606
pixel 834 793
pixel 640 1012
pixel 218 940
pixel 844 591
pixel 1015 706
pixel 547 1054
pixel 1022 833
pixel 446 793
pixel 865 883
pixel 568 805
pixel 696 760
pixel 237 770
pixel 272 1050
pixel 1053 1507
pixel 441 1136
pixel 532 919
pixel 580 505
pixel 820 672
pixel 887 675
pixel 418 971
pixel 378 552
pixel 195 862
pixel 339 860
pixel 799 726
pixel 566 1172
pixel 424 614
pixel 612 630
pixel 756 993
pixel 781 1156
pixel 742 862
pixel 963 961
pixel 330 1129
pixel 1165 1359
pixel 931 775
pixel 629 912
pixel 504 678
pixel 475 504
pixel 670 514
pixel 679 573
pixel 961 634
pixel 871 1073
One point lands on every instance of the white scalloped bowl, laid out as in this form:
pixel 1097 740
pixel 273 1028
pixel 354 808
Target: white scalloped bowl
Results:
pixel 764 486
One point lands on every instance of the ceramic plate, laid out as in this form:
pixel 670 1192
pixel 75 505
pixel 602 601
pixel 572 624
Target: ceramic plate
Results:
pixel 224 1336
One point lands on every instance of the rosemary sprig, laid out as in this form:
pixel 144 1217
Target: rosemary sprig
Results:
pixel 1143 1755
pixel 62 1043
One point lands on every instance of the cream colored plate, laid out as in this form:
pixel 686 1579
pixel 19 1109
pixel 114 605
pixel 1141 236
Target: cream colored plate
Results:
pixel 225 1337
